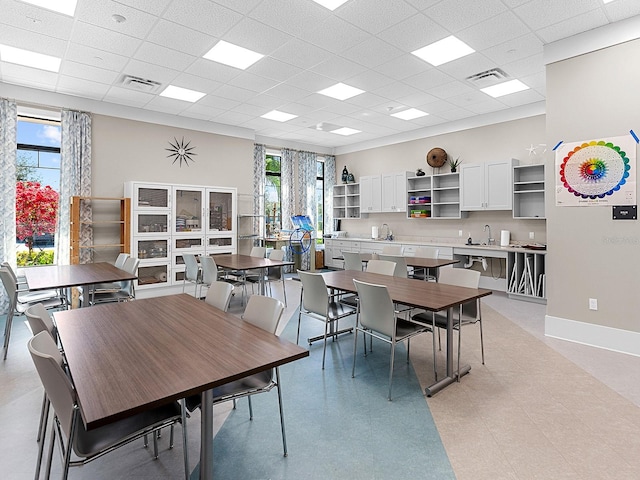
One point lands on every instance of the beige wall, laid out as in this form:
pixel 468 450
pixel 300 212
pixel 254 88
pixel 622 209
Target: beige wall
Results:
pixel 477 145
pixel 124 150
pixel 589 97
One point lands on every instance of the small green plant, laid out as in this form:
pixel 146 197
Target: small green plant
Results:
pixel 26 259
pixel 454 163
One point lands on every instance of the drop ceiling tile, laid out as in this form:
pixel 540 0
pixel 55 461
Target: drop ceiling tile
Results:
pixel 466 99
pixel 538 14
pixel 252 110
pixel 208 69
pixel 456 114
pixel 256 36
pixel 95 57
pixel 202 15
pixel 301 54
pixel 413 33
pixel 167 105
pixel 255 83
pixel 268 103
pixel 525 66
pixel 87 72
pixel 429 79
pixel 537 81
pixel 126 96
pixel 137 24
pixel 274 69
pixel 219 103
pixel 372 52
pixel 417 100
pixel 29 77
pixel 336 107
pixel 234 93
pixel 370 80
pixel 158 55
pixel 467 66
pixel 205 112
pixel 193 82
pixel 338 68
pixel 335 35
pixel 621 9
pixel 191 114
pixel 579 23
pixel 515 49
pixel 487 106
pixel 151 72
pixel 451 89
pixel 154 7
pixel 103 39
pixel 28 40
pixel 374 16
pixel 288 92
pixel 494 31
pixel 183 39
pixel 367 100
pixel 521 98
pixel 244 7
pixel 438 107
pixel 79 87
pixel 457 15
pixel 397 90
pixel 232 118
pixel 403 67
pixel 37 20
pixel 309 81
pixel 293 16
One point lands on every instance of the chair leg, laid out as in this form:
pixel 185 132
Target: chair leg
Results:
pixel 324 349
pixel 299 316
pixel 185 450
pixel 250 408
pixel 481 339
pixel 154 435
pixel 355 347
pixel 284 289
pixel 7 330
pixel 42 435
pixel 393 351
pixel 43 412
pixel 284 435
pixel 52 442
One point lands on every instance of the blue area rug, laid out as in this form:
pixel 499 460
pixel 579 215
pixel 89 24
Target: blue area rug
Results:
pixel 337 427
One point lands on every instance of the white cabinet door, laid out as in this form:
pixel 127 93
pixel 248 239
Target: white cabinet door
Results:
pixel 394 192
pixel 487 186
pixel 472 186
pixel 370 194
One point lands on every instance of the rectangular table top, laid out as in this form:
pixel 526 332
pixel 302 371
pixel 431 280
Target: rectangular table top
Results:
pixel 432 296
pixel 247 262
pixel 63 276
pixel 127 357
pixel 420 262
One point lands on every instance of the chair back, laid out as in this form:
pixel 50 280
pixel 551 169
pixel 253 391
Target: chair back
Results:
pixel 315 297
pixel 401 264
pixel 258 252
pixel 383 267
pixel 57 385
pixel 219 295
pixel 209 269
pixel 263 312
pixel 130 266
pixel 392 250
pixel 8 267
pixel 9 282
pixel 427 252
pixel 40 320
pixel 120 259
pixel 192 270
pixel 461 277
pixel 276 254
pixel 352 261
pixel 275 272
pixel 376 308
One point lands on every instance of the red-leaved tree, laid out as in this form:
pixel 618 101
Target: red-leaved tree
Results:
pixel 36 210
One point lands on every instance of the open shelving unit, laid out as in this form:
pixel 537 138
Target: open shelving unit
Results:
pixel 528 192
pixel 434 196
pixel 346 201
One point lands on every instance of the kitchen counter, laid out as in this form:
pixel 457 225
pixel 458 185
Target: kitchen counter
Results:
pixel 479 247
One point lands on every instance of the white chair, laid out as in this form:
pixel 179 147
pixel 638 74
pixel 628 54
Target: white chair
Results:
pixel 192 273
pixel 383 267
pixel 68 427
pixel 275 274
pixel 20 300
pixel 423 273
pixel 468 313
pixel 392 250
pixel 378 318
pixel 352 261
pixel 401 264
pixel 209 274
pixel 126 291
pixel 316 302
pixel 109 287
pixel 219 295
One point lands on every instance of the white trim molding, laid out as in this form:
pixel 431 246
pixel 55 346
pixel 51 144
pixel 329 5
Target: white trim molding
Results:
pixel 608 338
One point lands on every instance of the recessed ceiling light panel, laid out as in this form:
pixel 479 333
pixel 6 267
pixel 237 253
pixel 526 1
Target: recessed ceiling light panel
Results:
pixel 346 131
pixel 330 4
pixel 341 91
pixel 443 51
pixel 29 58
pixel 278 116
pixel 505 88
pixel 232 55
pixel 68 7
pixel 409 114
pixel 180 93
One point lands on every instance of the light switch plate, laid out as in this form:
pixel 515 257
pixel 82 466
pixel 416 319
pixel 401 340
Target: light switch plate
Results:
pixel 593 304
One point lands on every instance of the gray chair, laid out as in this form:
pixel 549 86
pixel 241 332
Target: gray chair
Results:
pixel 108 287
pixel 126 291
pixel 383 267
pixel 378 318
pixel 468 313
pixel 219 295
pixel 209 273
pixel 20 300
pixel 401 264
pixel 192 272
pixel 316 302
pixel 352 261
pixel 276 274
pixel 423 273
pixel 392 250
pixel 68 429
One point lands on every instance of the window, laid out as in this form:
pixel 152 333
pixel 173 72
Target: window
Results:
pixel 273 195
pixel 320 200
pixel 37 187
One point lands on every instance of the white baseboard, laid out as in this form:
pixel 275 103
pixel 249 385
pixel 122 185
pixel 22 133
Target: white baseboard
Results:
pixel 608 338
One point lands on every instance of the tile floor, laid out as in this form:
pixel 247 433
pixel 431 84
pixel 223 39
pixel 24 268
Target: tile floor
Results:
pixel 539 408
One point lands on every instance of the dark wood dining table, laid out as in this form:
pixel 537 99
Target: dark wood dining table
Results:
pixel 239 262
pixel 128 357
pixel 431 296
pixel 47 277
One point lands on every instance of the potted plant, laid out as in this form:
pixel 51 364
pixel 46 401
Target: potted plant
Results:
pixel 454 164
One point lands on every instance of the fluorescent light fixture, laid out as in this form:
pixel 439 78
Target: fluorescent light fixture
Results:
pixel 345 131
pixel 278 116
pixel 68 7
pixel 443 51
pixel 180 93
pixel 505 88
pixel 330 4
pixel 607 1
pixel 232 55
pixel 29 58
pixel 341 91
pixel 409 114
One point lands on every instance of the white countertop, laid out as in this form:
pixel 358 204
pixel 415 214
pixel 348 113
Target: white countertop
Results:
pixel 480 247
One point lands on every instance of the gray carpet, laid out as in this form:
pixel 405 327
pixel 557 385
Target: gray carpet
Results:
pixel 337 427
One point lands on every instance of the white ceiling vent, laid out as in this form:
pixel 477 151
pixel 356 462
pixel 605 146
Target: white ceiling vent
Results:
pixel 488 78
pixel 140 84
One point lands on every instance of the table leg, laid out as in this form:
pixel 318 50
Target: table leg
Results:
pixel 451 375
pixel 206 436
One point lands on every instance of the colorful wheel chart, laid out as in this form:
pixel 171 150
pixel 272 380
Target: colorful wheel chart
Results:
pixel 594 169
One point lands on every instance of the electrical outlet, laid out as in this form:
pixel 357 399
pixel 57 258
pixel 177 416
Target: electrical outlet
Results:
pixel 532 235
pixel 459 233
pixel 593 304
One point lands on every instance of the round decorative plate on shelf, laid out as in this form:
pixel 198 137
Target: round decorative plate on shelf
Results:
pixel 436 157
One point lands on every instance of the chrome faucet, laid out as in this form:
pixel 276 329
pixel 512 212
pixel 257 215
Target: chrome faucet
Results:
pixel 489 239
pixel 387 232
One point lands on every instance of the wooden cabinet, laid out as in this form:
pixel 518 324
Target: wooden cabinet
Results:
pixel 394 192
pixel 370 194
pixel 487 186
pixel 110 228
pixel 528 192
pixel 346 201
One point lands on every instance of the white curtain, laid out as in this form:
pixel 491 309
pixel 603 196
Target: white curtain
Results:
pixel 306 198
pixel 329 182
pixel 8 124
pixel 287 187
pixel 259 179
pixel 75 179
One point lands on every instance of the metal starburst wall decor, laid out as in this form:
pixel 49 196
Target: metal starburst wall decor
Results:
pixel 181 152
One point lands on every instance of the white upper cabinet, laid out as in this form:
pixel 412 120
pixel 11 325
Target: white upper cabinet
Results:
pixel 394 192
pixel 487 186
pixel 371 194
